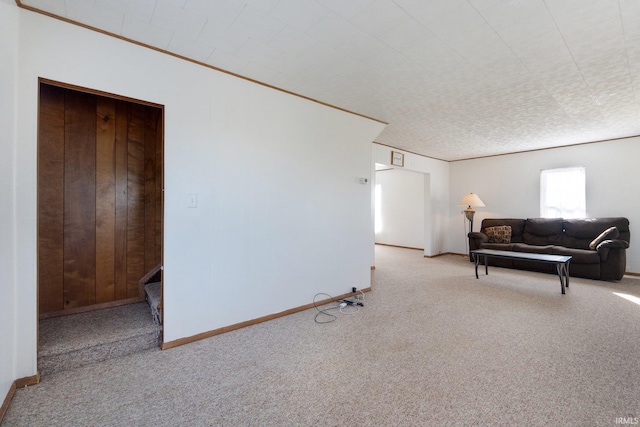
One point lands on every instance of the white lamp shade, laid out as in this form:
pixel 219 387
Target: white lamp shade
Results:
pixel 471 200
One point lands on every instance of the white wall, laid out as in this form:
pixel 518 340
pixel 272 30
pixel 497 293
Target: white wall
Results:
pixel 8 75
pixel 510 186
pixel 436 197
pixel 281 213
pixel 402 207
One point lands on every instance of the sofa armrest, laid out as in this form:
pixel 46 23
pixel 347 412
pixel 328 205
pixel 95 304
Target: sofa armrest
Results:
pixel 476 238
pixel 606 245
pixel 613 244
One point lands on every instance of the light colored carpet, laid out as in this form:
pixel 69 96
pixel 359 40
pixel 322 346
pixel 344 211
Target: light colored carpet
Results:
pixel 432 346
pixel 69 342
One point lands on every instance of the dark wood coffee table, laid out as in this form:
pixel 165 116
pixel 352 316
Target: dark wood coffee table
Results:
pixel 561 261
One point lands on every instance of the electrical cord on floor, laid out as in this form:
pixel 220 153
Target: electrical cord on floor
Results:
pixel 325 311
pixel 342 308
pixel 345 310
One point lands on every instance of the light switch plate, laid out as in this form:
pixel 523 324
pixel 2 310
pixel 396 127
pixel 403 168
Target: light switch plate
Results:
pixel 192 200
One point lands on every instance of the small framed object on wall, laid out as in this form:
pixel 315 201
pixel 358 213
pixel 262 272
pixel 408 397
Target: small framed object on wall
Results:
pixel 397 159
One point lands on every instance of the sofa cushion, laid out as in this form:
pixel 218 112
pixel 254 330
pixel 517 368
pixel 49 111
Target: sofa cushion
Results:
pixel 533 265
pixel 517 226
pixel 543 231
pixel 579 256
pixel 499 234
pixel 608 234
pixel 532 249
pixel 580 232
pixel 497 246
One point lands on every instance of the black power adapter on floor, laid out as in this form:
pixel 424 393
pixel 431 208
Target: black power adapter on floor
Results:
pixel 351 302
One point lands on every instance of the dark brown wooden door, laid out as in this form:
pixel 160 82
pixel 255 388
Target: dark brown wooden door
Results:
pixel 100 166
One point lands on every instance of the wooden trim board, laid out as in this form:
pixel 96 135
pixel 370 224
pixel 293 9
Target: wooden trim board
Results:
pixel 445 253
pixel 27 381
pixel 86 308
pixel 209 334
pixel 7 400
pixel 19 383
pixel 146 278
pixel 175 55
pixel 399 246
pixel 97 92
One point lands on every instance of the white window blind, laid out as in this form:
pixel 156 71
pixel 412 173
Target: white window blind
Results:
pixel 563 193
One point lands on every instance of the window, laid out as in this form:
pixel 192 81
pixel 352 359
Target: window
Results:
pixel 562 193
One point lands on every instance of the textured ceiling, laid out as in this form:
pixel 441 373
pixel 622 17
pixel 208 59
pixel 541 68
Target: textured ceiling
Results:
pixel 454 79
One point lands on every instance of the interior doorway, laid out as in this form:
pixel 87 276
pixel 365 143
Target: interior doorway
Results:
pixel 100 198
pixel 400 197
pixel 100 224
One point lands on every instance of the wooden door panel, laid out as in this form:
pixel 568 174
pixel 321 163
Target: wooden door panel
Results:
pixel 150 202
pixel 159 182
pixel 105 199
pixel 50 198
pixel 135 199
pixel 79 199
pixel 122 188
pixel 99 198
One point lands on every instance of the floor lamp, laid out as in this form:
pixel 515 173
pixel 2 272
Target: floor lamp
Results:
pixel 471 201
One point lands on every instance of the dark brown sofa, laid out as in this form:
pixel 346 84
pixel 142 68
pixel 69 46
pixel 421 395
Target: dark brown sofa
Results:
pixel 605 260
